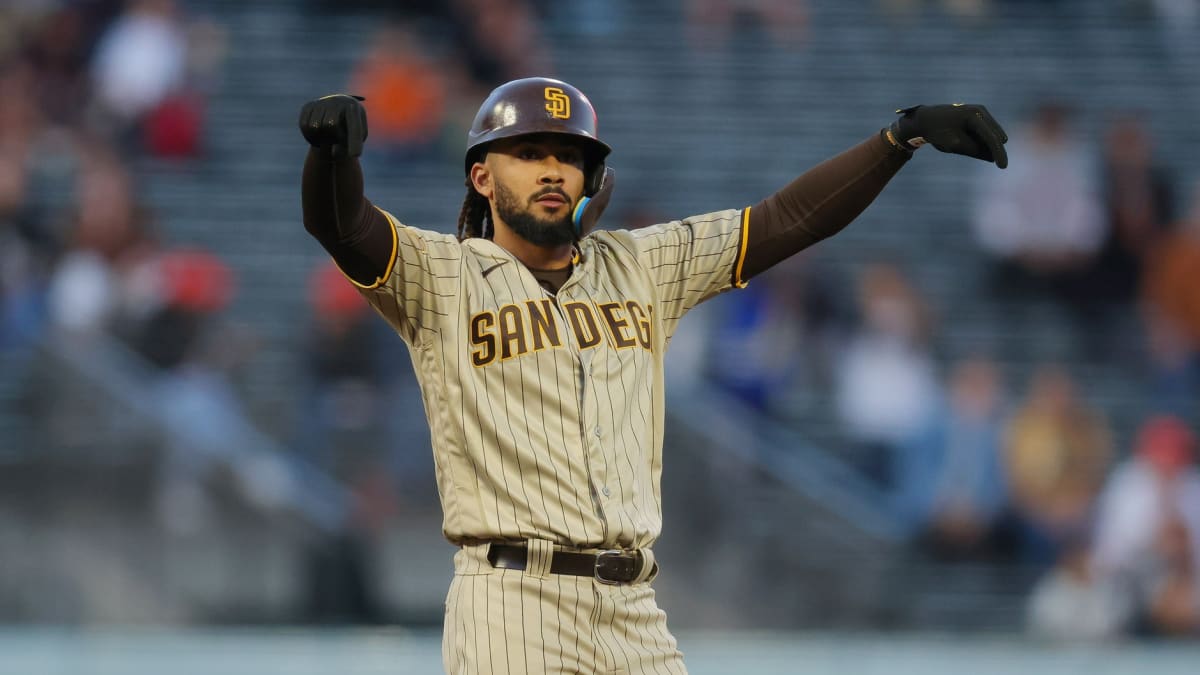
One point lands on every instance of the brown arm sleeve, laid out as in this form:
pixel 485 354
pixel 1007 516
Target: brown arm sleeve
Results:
pixel 819 203
pixel 355 233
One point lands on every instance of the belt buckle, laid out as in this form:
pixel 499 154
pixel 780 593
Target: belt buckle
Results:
pixel 611 553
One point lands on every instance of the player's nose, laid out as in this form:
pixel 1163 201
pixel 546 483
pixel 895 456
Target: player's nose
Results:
pixel 551 171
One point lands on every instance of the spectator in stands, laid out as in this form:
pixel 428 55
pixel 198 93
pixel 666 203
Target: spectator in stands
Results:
pixel 1171 304
pixel 1173 364
pixel 885 383
pixel 57 50
pixel 501 40
pixel 1056 455
pixel 50 157
pixel 359 407
pixel 197 355
pixel 24 121
pixel 1071 603
pixel 404 90
pixel 108 239
pixel 784 330
pixel 25 251
pixel 207 49
pixel 344 433
pixel 140 60
pixel 182 291
pixel 1173 608
pixel 1139 202
pixel 950 482
pixel 173 129
pixel 1148 522
pixel 1041 223
pixel 147 73
pixel 711 23
pixel 343 416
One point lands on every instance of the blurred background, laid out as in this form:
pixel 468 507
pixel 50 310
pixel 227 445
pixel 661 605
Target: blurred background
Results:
pixel 959 435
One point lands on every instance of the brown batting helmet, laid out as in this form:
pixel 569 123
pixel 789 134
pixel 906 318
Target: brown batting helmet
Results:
pixel 538 105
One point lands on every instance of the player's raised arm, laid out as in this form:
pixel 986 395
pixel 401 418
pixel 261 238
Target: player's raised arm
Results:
pixel 336 212
pixel 826 198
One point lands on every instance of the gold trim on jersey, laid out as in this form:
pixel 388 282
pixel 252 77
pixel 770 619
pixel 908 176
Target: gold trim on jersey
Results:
pixel 387 272
pixel 741 259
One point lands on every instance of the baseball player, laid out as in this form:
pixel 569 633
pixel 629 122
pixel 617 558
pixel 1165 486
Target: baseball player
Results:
pixel 538 344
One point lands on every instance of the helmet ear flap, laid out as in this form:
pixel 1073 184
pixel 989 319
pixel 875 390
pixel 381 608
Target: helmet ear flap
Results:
pixel 587 211
pixel 595 180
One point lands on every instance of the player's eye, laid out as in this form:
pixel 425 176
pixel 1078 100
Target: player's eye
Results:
pixel 571 156
pixel 528 152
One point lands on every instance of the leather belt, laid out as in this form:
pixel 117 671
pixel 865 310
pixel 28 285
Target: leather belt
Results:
pixel 608 567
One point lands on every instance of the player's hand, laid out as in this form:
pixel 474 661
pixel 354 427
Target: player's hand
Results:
pixel 958 128
pixel 336 124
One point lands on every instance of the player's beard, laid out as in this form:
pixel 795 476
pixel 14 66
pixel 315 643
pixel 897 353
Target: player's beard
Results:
pixel 530 227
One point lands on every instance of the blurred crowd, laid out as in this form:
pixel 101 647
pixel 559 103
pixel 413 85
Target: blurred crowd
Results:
pixel 988 459
pixel 983 459
pixel 96 93
pixel 89 87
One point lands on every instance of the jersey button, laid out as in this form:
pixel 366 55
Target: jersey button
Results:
pixel 605 491
pixel 597 432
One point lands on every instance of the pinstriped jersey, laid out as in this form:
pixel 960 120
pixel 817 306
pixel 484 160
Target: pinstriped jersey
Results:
pixel 546 410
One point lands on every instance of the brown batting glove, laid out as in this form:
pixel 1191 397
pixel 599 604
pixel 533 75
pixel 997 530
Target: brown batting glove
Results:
pixel 335 124
pixel 957 128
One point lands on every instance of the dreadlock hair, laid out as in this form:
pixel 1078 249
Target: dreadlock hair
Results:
pixel 476 212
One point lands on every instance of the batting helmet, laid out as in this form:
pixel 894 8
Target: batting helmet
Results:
pixel 539 105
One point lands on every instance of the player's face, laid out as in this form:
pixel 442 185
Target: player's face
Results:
pixel 536 181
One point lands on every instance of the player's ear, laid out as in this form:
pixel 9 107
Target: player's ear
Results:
pixel 481 178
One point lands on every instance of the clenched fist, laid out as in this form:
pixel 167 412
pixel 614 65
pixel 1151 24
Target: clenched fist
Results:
pixel 336 124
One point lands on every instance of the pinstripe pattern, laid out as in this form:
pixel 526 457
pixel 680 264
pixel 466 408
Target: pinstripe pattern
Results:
pixel 506 622
pixel 546 415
